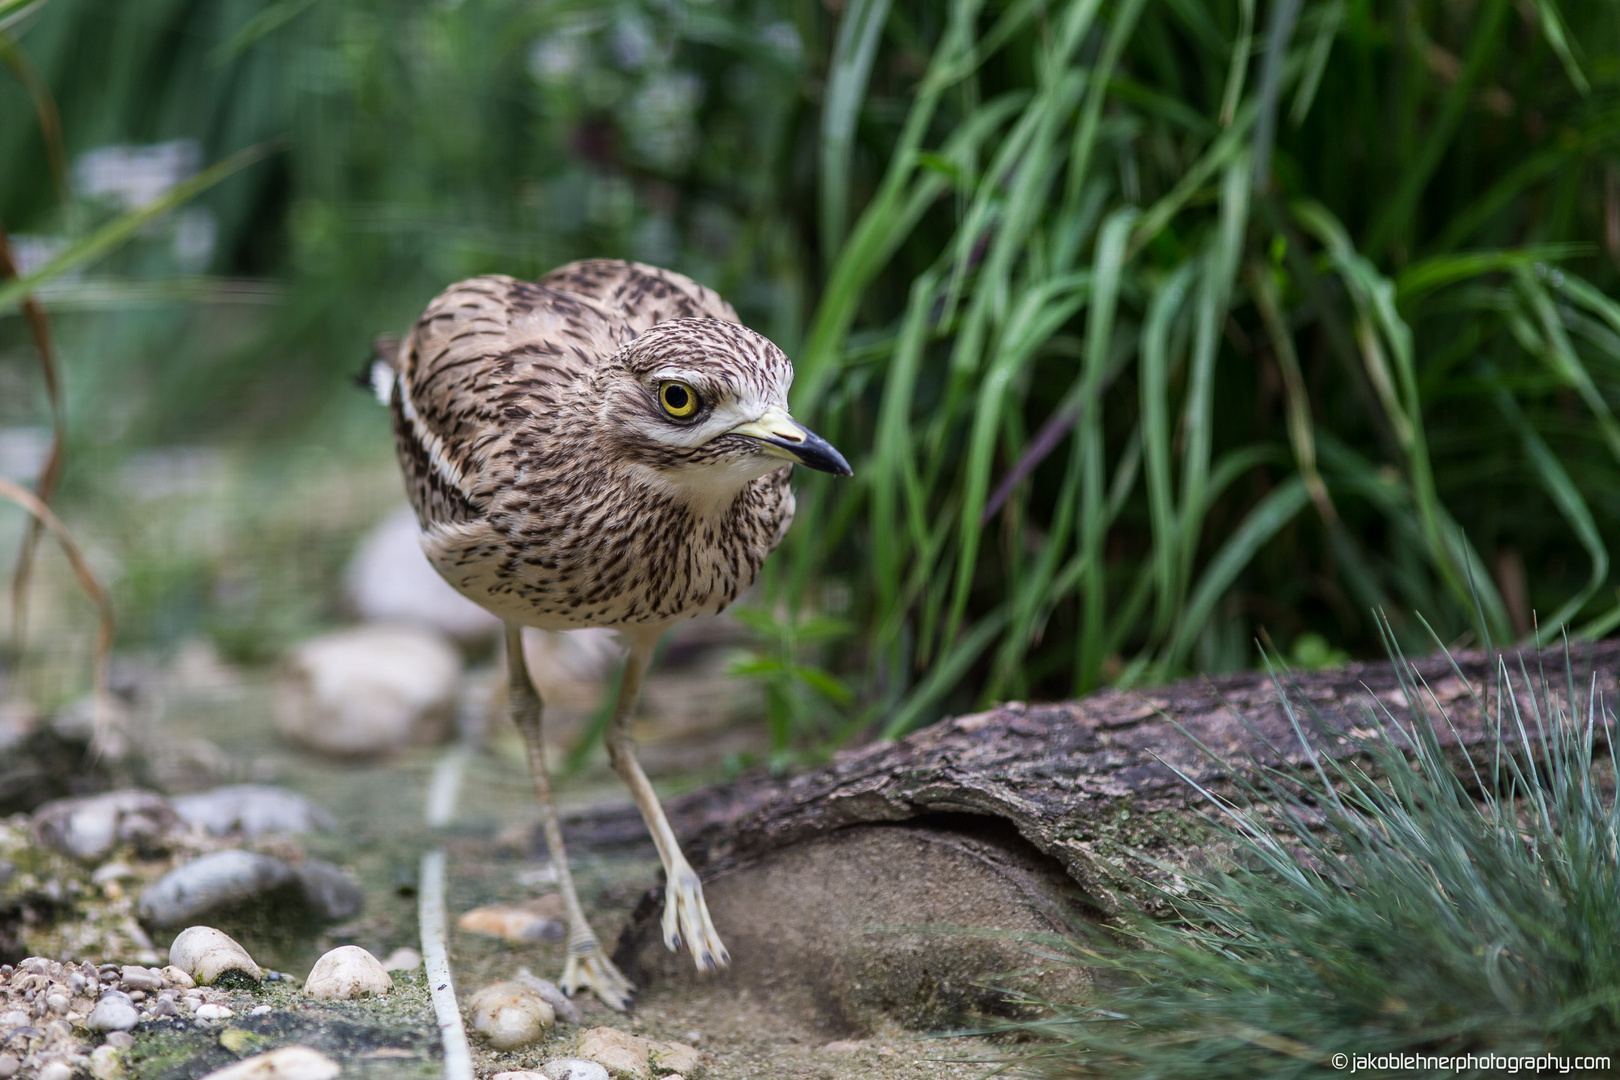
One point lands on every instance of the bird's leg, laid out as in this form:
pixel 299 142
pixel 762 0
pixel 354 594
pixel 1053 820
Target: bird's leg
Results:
pixel 587 965
pixel 686 916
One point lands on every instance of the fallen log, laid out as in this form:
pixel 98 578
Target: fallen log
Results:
pixel 836 885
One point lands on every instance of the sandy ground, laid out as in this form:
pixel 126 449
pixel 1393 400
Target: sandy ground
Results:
pixel 381 837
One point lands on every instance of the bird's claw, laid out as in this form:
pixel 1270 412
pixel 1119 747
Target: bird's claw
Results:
pixel 595 972
pixel 686 922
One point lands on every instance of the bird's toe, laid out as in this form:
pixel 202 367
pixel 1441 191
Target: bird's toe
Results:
pixel 597 974
pixel 687 922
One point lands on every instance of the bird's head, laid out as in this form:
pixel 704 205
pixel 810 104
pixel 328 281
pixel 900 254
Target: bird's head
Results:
pixel 704 402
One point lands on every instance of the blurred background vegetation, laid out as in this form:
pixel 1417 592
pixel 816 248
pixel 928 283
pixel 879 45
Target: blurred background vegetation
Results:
pixel 1153 328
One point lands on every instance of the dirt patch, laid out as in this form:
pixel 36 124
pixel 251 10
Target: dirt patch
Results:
pixel 920 924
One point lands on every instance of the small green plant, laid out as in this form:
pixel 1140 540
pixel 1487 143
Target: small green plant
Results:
pixel 1393 906
pixel 801 697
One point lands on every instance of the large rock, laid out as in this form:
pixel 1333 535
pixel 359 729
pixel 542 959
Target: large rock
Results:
pixel 391 581
pixel 224 885
pixel 369 690
pixel 89 828
pixel 220 880
pixel 252 810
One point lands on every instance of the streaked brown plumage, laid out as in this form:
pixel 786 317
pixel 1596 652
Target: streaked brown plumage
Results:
pixel 607 446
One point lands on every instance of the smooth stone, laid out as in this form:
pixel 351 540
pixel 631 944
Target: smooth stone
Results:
pixel 131 977
pixel 389 580
pixel 368 691
pixel 89 827
pixel 123 1040
pixel 618 1051
pixel 9 1066
pixel 560 1003
pixel 510 1015
pixel 56 1070
pixel 515 924
pixel 252 810
pixel 347 972
pixel 839 1046
pixel 211 1011
pixel 104 1063
pixel 113 1012
pixel 285 1063
pixel 675 1057
pixel 113 871
pixel 573 1069
pixel 205 954
pixel 331 894
pixel 209 882
pixel 519 1074
pixel 402 959
pixel 175 977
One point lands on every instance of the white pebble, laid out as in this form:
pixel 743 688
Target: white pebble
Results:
pixel 104 1063
pixel 620 1051
pixel 287 1063
pixel 175 977
pixel 205 954
pixel 510 1015
pixel 347 972
pixel 402 960
pixel 565 1009
pixel 114 1012
pixel 259 1010
pixel 8 1066
pixel 56 1070
pixel 139 978
pixel 573 1069
pixel 211 1011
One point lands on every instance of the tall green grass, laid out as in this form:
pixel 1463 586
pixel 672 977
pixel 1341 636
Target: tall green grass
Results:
pixel 1389 906
pixel 1167 325
pixel 1151 326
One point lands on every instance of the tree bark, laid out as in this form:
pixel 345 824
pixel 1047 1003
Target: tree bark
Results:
pixel 1088 782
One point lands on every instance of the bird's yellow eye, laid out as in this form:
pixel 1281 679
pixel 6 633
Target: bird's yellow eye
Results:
pixel 678 400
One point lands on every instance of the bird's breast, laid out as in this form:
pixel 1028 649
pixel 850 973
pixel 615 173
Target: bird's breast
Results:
pixel 611 555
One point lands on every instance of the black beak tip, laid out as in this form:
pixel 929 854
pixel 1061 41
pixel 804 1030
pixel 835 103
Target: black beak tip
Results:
pixel 819 454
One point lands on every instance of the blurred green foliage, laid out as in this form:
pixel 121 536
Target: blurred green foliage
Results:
pixel 1149 325
pixel 1376 906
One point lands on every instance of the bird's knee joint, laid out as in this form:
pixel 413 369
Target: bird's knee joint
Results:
pixel 620 753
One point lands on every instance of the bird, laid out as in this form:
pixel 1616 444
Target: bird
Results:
pixel 605 446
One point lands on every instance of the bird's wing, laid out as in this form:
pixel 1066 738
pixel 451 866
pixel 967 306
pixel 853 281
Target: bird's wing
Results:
pixel 485 346
pixel 639 294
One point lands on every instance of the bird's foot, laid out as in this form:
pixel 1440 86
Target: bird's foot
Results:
pixel 593 971
pixel 686 922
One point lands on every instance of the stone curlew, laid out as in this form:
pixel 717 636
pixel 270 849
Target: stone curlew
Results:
pixel 606 446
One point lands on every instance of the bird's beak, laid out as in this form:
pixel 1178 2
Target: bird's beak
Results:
pixel 782 436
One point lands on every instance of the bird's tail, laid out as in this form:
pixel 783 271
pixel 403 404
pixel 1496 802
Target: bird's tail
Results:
pixel 381 368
